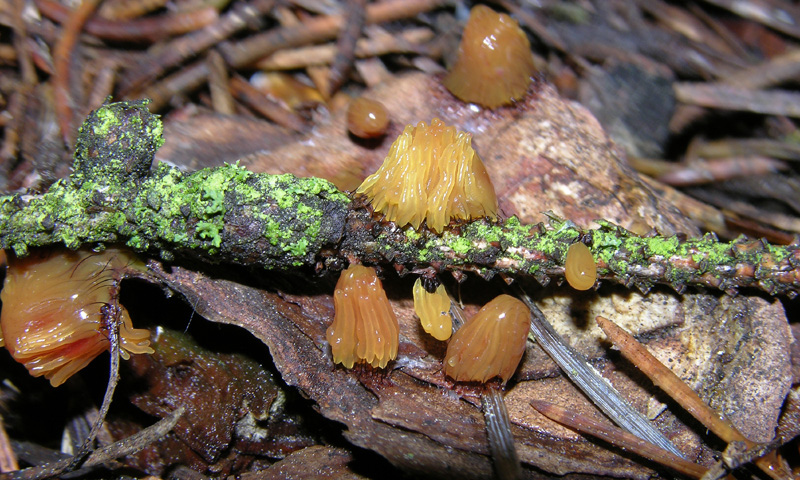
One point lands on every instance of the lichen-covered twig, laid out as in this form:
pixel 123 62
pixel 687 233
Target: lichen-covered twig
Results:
pixel 230 215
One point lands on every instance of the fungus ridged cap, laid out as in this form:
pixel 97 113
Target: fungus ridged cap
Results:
pixel 580 268
pixel 364 327
pixel 495 62
pixel 52 319
pixel 491 343
pixel 431 173
pixel 433 310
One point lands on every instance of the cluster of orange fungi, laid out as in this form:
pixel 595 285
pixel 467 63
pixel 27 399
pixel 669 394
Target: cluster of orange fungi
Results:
pixel 431 175
pixel 54 318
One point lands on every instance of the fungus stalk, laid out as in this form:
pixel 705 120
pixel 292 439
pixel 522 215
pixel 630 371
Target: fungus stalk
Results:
pixel 230 215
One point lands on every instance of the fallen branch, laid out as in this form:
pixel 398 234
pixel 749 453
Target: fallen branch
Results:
pixel 230 215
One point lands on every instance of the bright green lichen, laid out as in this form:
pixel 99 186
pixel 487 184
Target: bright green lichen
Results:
pixel 229 214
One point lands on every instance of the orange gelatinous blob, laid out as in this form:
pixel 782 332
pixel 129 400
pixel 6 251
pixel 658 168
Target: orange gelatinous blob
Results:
pixel 367 118
pixel 491 343
pixel 364 327
pixel 433 310
pixel 495 62
pixel 52 319
pixel 431 172
pixel 580 268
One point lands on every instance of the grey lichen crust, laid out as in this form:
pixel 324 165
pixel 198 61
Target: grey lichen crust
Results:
pixel 226 214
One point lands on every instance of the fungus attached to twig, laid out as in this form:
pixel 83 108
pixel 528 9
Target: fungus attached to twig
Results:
pixel 364 327
pixel 491 343
pixel 56 316
pixel 495 63
pixel 433 310
pixel 431 172
pixel 580 268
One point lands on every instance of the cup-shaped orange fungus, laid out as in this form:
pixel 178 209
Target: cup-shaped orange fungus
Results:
pixel 495 62
pixel 364 327
pixel 53 318
pixel 433 310
pixel 491 343
pixel 580 267
pixel 431 172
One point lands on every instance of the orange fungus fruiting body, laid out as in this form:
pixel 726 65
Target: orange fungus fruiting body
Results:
pixel 491 343
pixel 367 118
pixel 495 62
pixel 580 267
pixel 433 310
pixel 431 173
pixel 52 318
pixel 364 327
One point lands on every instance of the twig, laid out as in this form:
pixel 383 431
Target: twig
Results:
pixel 732 147
pixel 498 429
pixel 775 71
pixel 62 53
pixel 219 85
pixel 193 44
pixel 774 102
pixel 782 16
pixel 139 30
pixel 8 461
pixel 719 169
pixel 247 51
pixel 112 315
pixel 346 45
pixel 618 437
pixel 267 107
pixel 679 391
pixel 228 214
pixel 124 447
pixel 585 377
pixel 407 41
pixel 244 53
pixel 26 67
pixel 128 9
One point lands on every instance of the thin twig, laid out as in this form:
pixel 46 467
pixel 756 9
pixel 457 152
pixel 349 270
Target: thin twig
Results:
pixel 318 29
pixel 149 29
pixel 219 84
pixel 124 447
pixel 191 45
pixel 267 107
pixel 346 46
pixel 618 437
pixel 601 393
pixel 62 53
pixel 727 97
pixel 498 429
pixel 407 41
pixel 679 391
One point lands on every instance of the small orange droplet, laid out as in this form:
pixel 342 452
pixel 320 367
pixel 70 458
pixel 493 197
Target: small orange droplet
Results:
pixel 580 267
pixel 367 118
